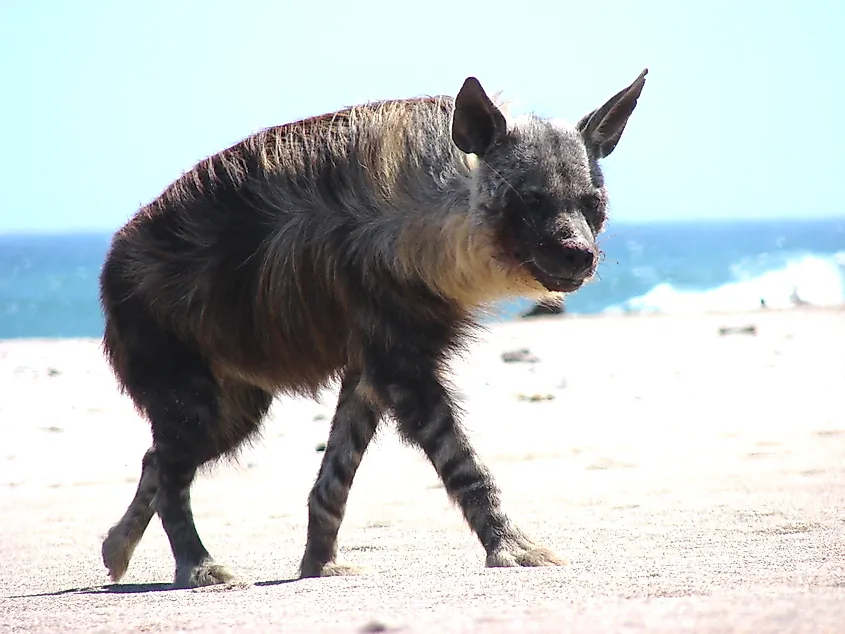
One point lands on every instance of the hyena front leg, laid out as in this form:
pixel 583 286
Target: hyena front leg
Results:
pixel 355 421
pixel 425 416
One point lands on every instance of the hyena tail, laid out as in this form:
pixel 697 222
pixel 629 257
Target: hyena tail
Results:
pixel 124 536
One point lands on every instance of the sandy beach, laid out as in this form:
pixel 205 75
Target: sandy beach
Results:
pixel 694 480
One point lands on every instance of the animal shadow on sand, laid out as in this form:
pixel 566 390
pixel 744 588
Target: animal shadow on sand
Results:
pixel 142 588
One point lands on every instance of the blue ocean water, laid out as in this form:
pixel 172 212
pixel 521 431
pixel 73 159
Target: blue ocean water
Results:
pixel 48 283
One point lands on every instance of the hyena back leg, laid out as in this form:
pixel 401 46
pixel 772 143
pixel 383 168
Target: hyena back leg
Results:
pixel 195 418
pixel 124 536
pixel 353 426
pixel 190 431
pixel 425 416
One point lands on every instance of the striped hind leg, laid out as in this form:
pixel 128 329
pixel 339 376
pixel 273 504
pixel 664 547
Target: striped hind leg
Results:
pixel 124 536
pixel 353 426
pixel 191 426
pixel 191 429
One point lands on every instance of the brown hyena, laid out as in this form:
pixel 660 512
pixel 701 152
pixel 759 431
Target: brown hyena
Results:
pixel 354 246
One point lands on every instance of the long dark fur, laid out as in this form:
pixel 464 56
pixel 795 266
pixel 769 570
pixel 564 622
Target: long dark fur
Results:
pixel 355 246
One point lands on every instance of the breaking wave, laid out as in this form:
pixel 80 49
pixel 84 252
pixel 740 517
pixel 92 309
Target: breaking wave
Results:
pixel 779 280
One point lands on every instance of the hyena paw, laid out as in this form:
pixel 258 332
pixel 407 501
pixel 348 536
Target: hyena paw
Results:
pixel 330 569
pixel 117 551
pixel 520 551
pixel 206 573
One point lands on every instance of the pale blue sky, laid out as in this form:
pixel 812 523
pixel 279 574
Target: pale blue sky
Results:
pixel 105 102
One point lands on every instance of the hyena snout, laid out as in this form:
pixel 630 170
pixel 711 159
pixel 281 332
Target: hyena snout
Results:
pixel 570 261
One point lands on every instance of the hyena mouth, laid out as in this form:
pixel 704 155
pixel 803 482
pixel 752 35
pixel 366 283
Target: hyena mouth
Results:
pixel 516 258
pixel 551 282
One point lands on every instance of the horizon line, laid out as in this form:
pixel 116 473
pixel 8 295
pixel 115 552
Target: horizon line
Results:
pixel 625 222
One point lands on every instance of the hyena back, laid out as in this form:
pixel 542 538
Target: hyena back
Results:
pixel 355 246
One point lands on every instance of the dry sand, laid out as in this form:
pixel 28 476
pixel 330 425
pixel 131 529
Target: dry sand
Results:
pixel 695 481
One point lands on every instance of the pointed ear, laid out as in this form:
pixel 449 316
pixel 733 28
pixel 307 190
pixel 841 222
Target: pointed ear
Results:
pixel 603 127
pixel 477 123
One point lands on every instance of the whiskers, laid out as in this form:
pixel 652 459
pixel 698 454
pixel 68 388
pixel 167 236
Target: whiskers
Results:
pixel 602 253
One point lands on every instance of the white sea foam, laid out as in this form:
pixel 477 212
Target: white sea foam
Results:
pixel 779 281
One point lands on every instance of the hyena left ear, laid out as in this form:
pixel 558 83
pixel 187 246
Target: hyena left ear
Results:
pixel 603 127
pixel 477 123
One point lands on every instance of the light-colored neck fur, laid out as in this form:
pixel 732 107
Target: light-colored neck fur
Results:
pixel 441 238
pixel 408 190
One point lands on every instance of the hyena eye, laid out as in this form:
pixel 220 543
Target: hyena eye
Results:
pixel 591 202
pixel 531 199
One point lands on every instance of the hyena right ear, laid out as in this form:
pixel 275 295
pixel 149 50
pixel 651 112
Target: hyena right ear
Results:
pixel 477 123
pixel 603 127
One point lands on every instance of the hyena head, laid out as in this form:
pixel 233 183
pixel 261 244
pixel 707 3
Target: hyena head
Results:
pixel 537 184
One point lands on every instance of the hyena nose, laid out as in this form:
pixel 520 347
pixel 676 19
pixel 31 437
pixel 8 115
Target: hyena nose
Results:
pixel 576 260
